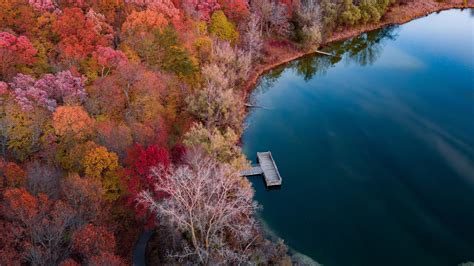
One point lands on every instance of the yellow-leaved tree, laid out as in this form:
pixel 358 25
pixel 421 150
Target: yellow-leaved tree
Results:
pixel 102 165
pixel 222 28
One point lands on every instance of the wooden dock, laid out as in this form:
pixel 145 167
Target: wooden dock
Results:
pixel 256 170
pixel 267 167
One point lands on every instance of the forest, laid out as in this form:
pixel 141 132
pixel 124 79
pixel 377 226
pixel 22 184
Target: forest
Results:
pixel 123 115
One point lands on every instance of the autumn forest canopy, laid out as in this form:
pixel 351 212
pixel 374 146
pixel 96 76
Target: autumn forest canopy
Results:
pixel 120 115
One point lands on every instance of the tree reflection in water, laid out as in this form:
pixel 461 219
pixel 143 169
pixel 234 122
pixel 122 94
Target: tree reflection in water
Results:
pixel 362 50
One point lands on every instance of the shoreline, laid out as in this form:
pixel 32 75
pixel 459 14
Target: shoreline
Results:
pixel 396 16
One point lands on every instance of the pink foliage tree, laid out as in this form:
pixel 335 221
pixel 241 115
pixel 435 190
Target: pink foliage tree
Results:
pixel 3 88
pixel 109 59
pixel 100 25
pixel 47 92
pixel 203 7
pixel 3 91
pixel 63 87
pixel 14 51
pixel 53 5
pixel 27 95
pixel 44 5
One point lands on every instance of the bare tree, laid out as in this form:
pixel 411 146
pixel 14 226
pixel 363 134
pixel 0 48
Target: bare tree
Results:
pixel 212 204
pixel 308 19
pixel 215 76
pixel 40 226
pixel 234 63
pixel 279 19
pixel 48 235
pixel 274 17
pixel 216 107
pixel 253 39
pixel 43 178
pixel 221 145
pixel 84 195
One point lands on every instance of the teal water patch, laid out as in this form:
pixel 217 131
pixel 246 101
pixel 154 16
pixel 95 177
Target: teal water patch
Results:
pixel 375 146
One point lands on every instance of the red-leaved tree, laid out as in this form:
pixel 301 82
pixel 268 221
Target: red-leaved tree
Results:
pixel 80 34
pixel 106 258
pixel 91 241
pixel 138 176
pixel 11 175
pixel 14 52
pixel 236 10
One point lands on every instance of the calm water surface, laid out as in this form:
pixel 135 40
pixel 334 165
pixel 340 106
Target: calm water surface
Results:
pixel 375 146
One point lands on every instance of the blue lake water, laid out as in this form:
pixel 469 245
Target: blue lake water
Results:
pixel 375 146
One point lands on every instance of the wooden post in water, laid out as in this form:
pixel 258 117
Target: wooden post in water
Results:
pixel 323 53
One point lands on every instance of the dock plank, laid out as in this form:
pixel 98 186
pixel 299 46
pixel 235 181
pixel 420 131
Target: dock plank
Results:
pixel 256 170
pixel 269 168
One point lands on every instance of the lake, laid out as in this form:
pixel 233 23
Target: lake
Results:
pixel 375 146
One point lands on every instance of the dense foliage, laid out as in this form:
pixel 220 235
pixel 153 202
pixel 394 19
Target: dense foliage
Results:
pixel 119 114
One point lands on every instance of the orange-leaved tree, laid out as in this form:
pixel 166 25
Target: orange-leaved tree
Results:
pixel 72 123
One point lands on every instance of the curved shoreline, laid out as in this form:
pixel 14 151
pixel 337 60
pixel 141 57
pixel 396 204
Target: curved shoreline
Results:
pixel 393 17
